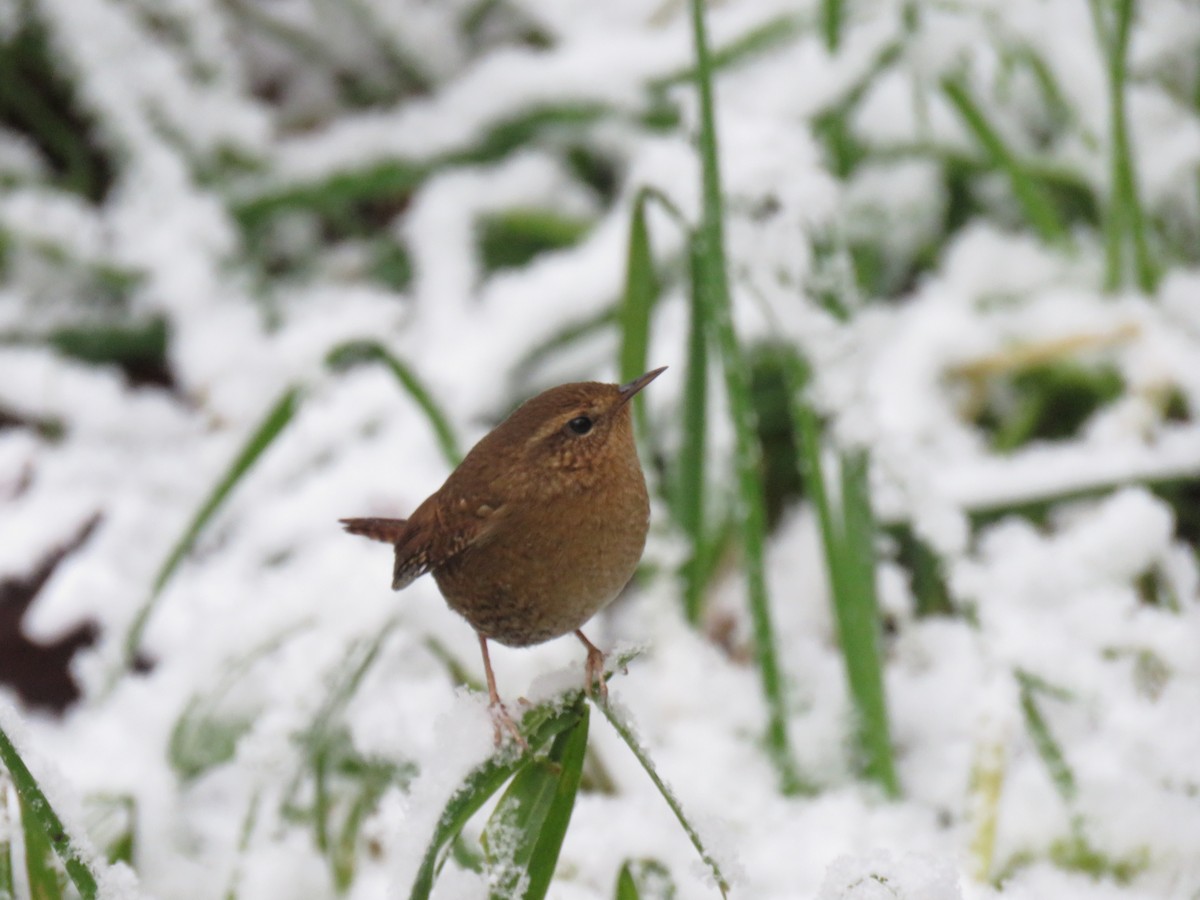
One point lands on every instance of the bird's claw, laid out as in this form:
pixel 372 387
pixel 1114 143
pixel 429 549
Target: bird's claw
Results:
pixel 596 685
pixel 501 722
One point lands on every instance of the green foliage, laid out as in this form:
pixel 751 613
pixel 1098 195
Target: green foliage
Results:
pixel 540 725
pixel 1125 222
pixel 770 393
pixel 39 101
pixel 625 730
pixel 1037 208
pixel 44 833
pixel 711 281
pixel 526 830
pixel 929 586
pixel 142 344
pixel 44 882
pixel 207 731
pixel 271 427
pixel 513 238
pixel 690 488
pixel 848 538
pixel 344 785
pixel 357 352
pixel 644 879
pixel 7 851
pixel 112 823
pixel 1048 402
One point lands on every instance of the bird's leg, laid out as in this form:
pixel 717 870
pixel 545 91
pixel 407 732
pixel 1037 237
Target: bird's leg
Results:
pixel 499 712
pixel 595 669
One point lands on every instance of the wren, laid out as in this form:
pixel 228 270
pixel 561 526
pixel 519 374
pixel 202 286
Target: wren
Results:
pixel 538 529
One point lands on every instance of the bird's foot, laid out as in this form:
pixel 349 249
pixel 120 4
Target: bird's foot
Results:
pixel 595 684
pixel 502 722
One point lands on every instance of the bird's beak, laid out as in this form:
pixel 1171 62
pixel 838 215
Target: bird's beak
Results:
pixel 627 391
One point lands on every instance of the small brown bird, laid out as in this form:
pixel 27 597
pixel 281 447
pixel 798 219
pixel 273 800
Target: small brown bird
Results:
pixel 539 527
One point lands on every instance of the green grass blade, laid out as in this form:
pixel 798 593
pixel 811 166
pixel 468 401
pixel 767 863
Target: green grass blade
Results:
pixel 1035 204
pixel 540 725
pixel 525 832
pixel 625 730
pixel 984 792
pixel 566 337
pixel 832 16
pixel 7 890
pixel 390 178
pixel 568 753
pixel 644 879
pixel 262 438
pixel 748 454
pixel 207 731
pixel 39 858
pixel 690 488
pixel 336 193
pixel 111 823
pixel 859 626
pixel 848 540
pixel 1125 218
pixel 758 41
pixel 357 352
pixel 36 810
pixel 513 238
pixel 641 292
pixel 1043 739
pixel 249 821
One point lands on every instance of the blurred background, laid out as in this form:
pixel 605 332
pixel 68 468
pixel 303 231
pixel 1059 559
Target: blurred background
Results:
pixel 921 602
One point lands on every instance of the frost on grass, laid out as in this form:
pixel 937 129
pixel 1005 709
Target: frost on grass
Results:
pixel 883 876
pixel 114 882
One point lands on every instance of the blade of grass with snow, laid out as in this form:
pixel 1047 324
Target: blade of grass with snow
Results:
pixel 43 827
pixel 213 720
pixel 357 352
pixel 714 287
pixel 524 835
pixel 6 841
pixel 848 542
pixel 690 485
pixel 625 730
pixel 268 430
pixel 1125 219
pixel 756 42
pixel 859 623
pixel 637 304
pixel 539 725
pixel 1035 204
pixel 1043 739
pixel 40 871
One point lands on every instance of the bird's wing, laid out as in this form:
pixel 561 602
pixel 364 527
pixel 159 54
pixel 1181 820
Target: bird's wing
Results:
pixel 444 526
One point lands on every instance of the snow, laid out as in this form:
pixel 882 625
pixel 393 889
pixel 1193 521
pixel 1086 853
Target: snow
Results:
pixel 261 624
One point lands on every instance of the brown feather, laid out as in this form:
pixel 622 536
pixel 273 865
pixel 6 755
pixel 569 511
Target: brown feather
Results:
pixel 387 531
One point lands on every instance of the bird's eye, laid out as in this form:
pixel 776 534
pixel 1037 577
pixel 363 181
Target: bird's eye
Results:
pixel 580 424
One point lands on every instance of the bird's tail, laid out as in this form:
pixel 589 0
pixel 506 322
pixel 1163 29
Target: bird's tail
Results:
pixel 387 531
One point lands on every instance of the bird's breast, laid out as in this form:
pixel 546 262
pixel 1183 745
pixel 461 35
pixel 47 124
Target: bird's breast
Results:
pixel 552 565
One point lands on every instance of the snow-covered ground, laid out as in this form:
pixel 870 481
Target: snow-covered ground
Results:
pixel 254 635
